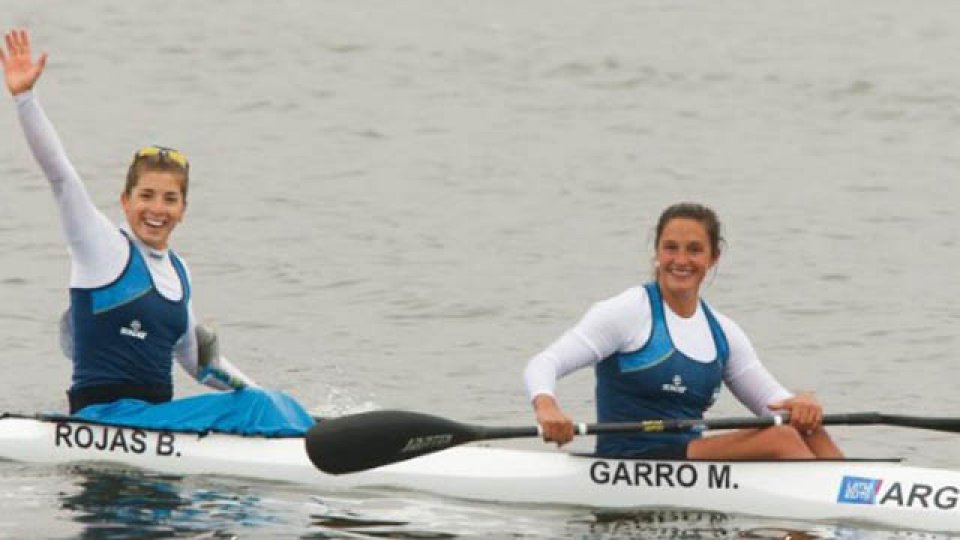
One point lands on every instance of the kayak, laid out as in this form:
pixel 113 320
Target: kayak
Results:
pixel 884 492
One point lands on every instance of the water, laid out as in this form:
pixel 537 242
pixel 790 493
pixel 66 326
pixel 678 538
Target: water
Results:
pixel 395 204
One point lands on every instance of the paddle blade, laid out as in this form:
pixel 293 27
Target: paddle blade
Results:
pixel 363 441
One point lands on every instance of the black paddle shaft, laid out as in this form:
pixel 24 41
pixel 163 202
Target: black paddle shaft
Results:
pixel 367 440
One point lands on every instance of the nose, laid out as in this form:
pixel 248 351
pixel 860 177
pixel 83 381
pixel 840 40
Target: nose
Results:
pixel 157 206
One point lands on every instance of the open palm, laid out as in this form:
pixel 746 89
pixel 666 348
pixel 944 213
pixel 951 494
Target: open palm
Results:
pixel 19 70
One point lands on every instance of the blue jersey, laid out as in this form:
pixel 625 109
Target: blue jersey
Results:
pixel 656 381
pixel 125 332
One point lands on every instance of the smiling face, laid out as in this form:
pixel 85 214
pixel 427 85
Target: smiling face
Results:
pixel 684 255
pixel 154 206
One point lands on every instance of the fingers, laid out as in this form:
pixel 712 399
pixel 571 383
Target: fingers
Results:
pixel 14 40
pixel 20 72
pixel 22 39
pixel 805 418
pixel 10 45
pixel 556 426
pixel 17 42
pixel 8 41
pixel 25 42
pixel 806 413
pixel 558 430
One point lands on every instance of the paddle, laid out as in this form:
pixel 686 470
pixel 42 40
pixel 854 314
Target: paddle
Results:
pixel 363 441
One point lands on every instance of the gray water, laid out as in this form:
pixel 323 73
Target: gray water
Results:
pixel 395 204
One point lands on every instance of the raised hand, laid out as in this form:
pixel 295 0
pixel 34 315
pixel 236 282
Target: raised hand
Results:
pixel 20 72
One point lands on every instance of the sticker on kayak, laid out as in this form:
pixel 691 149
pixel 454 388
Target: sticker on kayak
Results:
pixel 858 490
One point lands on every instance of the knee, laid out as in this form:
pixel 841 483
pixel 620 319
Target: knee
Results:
pixel 785 442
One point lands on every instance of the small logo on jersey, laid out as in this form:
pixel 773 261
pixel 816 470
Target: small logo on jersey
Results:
pixel 858 490
pixel 676 386
pixel 134 330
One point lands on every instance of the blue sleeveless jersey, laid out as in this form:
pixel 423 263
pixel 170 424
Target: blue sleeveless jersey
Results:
pixel 656 381
pixel 124 332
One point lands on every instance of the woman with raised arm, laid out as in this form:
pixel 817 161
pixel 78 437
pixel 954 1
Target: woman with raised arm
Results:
pixel 660 351
pixel 130 295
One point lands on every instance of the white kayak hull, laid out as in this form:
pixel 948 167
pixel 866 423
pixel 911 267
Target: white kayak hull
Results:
pixel 876 491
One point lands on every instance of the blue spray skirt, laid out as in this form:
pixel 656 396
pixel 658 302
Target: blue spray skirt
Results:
pixel 250 411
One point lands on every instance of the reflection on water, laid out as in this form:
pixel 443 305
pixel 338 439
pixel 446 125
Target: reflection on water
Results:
pixel 687 524
pixel 114 503
pixel 702 525
pixel 659 524
pixel 375 517
pixel 360 514
pixel 421 517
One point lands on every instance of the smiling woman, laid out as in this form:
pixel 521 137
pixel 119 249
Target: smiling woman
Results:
pixel 155 196
pixel 660 351
pixel 130 303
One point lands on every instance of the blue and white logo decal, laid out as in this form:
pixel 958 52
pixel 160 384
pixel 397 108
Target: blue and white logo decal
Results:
pixel 858 490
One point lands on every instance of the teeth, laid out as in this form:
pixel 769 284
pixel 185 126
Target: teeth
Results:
pixel 153 222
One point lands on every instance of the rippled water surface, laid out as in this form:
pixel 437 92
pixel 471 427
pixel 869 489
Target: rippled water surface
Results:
pixel 395 204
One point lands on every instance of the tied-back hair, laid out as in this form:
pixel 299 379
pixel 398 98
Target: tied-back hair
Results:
pixel 699 213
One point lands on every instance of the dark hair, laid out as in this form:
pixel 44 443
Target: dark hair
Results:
pixel 158 163
pixel 697 212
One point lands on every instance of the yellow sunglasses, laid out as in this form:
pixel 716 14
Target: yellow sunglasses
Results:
pixel 165 153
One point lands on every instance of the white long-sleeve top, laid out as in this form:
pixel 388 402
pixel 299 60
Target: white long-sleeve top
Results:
pixel 623 324
pixel 98 250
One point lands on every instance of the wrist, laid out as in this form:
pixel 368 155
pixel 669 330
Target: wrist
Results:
pixel 23 97
pixel 542 402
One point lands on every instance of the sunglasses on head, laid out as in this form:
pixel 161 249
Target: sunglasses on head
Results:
pixel 165 153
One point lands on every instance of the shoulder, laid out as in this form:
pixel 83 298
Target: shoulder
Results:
pixel 624 310
pixel 613 323
pixel 632 300
pixel 176 259
pixel 733 332
pixel 722 318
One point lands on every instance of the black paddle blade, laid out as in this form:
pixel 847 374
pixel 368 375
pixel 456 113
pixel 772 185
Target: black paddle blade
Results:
pixel 363 441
